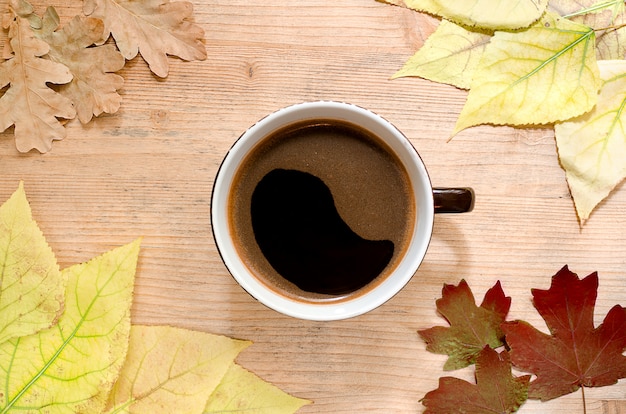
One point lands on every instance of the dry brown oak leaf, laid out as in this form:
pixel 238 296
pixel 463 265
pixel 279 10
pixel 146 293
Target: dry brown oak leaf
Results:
pixel 94 86
pixel 29 103
pixel 154 28
pixel 576 354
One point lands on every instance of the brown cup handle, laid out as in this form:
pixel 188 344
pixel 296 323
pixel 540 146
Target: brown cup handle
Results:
pixel 453 200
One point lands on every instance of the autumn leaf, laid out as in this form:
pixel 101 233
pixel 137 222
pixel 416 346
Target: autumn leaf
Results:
pixel 154 28
pixel 94 86
pixel 606 17
pixel 449 55
pixel 171 370
pixel 545 74
pixel 72 366
pixel 575 354
pixel 471 327
pixel 488 14
pixel 29 103
pixel 32 287
pixel 592 147
pixel 496 389
pixel 242 391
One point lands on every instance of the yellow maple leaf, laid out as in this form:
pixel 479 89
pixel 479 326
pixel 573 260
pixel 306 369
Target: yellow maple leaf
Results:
pixel 72 366
pixel 171 370
pixel 544 74
pixel 592 147
pixel 243 392
pixel 32 287
pixel 154 28
pixel 449 55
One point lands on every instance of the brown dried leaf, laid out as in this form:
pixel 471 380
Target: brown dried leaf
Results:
pixel 154 28
pixel 29 103
pixel 94 86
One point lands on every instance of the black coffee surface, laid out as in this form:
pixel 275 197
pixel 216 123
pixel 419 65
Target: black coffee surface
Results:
pixel 371 195
pixel 300 232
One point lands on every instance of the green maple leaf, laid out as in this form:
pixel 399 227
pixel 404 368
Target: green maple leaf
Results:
pixel 496 389
pixel 471 327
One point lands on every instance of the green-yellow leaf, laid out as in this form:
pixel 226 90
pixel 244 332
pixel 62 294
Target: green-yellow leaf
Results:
pixel 171 370
pixel 31 285
pixel 449 55
pixel 486 14
pixel 71 367
pixel 545 74
pixel 243 392
pixel 592 147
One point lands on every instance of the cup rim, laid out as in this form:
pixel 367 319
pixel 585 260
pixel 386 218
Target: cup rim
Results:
pixel 332 310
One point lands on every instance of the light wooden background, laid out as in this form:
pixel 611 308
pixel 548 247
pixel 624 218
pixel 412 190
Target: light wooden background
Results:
pixel 148 171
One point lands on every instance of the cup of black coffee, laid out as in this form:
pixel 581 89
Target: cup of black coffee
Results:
pixel 324 210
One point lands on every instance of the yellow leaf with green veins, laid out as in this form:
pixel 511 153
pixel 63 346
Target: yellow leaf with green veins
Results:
pixel 449 55
pixel 171 370
pixel 243 392
pixel 607 17
pixel 592 147
pixel 31 285
pixel 545 74
pixel 71 367
pixel 486 14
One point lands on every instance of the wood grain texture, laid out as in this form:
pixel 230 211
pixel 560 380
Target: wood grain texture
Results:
pixel 148 171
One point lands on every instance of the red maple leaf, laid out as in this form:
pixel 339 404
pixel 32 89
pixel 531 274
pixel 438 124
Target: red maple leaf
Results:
pixel 496 389
pixel 576 354
pixel 471 327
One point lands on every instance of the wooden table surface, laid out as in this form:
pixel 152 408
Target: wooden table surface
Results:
pixel 148 171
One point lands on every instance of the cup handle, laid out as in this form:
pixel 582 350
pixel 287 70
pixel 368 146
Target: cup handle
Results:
pixel 453 200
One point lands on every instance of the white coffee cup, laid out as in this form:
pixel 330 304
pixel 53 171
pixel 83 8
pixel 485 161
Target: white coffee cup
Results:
pixel 428 201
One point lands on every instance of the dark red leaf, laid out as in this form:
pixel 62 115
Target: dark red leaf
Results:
pixel 576 354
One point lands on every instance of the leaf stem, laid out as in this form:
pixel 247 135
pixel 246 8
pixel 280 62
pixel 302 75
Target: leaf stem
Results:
pixel 582 389
pixel 613 27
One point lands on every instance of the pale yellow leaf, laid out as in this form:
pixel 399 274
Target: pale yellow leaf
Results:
pixel 171 370
pixel 592 147
pixel 94 85
pixel 449 55
pixel 487 14
pixel 607 17
pixel 32 288
pixel 154 28
pixel 29 103
pixel 545 74
pixel 71 367
pixel 243 392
